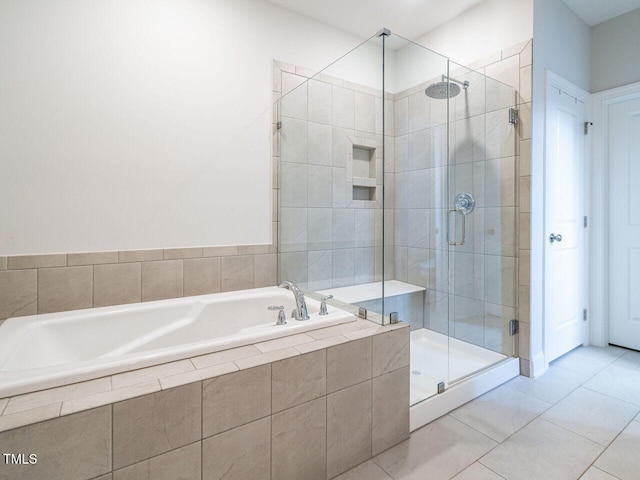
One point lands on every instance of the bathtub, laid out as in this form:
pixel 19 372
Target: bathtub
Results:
pixel 44 351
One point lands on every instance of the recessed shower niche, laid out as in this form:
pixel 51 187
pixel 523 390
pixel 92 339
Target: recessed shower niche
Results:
pixel 362 169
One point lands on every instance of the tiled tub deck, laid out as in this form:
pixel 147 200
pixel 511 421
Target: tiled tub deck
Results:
pixel 307 406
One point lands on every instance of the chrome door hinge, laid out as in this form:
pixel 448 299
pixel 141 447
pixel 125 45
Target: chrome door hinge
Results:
pixel 584 314
pixel 586 127
pixel 514 117
pixel 585 222
pixel 514 327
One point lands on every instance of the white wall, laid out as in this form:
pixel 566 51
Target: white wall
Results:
pixel 120 120
pixel 562 44
pixel 482 30
pixel 614 48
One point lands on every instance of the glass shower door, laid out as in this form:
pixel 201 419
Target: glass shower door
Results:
pixel 481 214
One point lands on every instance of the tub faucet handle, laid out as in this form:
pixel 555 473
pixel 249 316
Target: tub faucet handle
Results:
pixel 323 305
pixel 282 318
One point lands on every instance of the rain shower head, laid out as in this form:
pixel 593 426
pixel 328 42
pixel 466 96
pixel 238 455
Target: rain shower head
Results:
pixel 444 89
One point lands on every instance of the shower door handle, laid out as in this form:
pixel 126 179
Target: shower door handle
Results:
pixel 464 225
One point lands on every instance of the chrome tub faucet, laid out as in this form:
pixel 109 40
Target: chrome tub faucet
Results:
pixel 300 313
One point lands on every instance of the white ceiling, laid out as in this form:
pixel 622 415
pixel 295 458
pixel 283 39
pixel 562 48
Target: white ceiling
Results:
pixel 414 18
pixel 598 11
pixel 363 18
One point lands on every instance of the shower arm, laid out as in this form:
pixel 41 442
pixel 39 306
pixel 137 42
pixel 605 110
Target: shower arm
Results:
pixel 465 84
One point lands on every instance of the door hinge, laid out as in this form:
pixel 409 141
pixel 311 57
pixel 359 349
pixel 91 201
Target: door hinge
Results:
pixel 586 222
pixel 514 117
pixel 584 314
pixel 514 327
pixel 586 127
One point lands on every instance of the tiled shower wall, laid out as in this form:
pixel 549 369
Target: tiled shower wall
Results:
pixel 329 236
pixel 34 284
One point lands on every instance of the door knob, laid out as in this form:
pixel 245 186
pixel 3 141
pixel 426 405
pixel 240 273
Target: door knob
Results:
pixel 555 238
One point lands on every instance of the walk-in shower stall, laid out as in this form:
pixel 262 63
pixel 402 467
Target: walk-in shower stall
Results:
pixel 396 194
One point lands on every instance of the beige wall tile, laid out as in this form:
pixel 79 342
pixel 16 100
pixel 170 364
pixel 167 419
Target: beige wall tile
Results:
pixel 514 49
pixel 298 379
pixel 239 454
pixel 150 373
pixel 524 113
pixel 390 351
pixel 237 273
pixel 525 84
pixel 183 463
pixel 147 426
pixel 348 428
pixel 348 364
pixel 201 276
pixel 140 255
pixel 196 375
pixel 109 397
pixel 525 194
pixel 390 410
pixel 117 284
pixel 506 71
pixel 524 270
pixel 266 270
pixel 253 249
pixel 264 358
pixel 526 55
pixel 321 344
pixel 91 258
pixel 524 304
pixel 36 261
pixel 235 399
pixel 524 341
pixel 525 157
pixel 18 293
pixel 525 231
pixel 500 280
pixel 283 342
pixel 224 251
pixel 66 288
pixel 3 263
pixel 295 433
pixel 162 280
pixel 75 447
pixel 178 253
pixel 28 417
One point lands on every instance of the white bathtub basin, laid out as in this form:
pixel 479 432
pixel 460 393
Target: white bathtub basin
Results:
pixel 44 351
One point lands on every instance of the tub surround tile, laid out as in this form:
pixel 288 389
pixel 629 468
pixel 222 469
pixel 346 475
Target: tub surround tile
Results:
pixel 127 256
pixel 390 351
pixel 21 262
pixel 283 342
pixel 298 380
pixel 56 395
pixel 237 273
pixel 76 447
pixel 3 404
pixel 294 434
pixel 258 249
pixel 18 293
pixel 182 463
pixel 181 253
pixel 348 428
pixel 3 263
pixel 266 270
pixel 109 397
pixel 349 364
pixel 151 373
pixel 375 330
pixel 321 344
pixel 239 454
pixel 28 417
pixel 333 331
pixel 236 399
pixel 197 375
pixel 147 426
pixel 224 356
pixel 222 251
pixel 161 280
pixel 264 358
pixel 66 288
pixel 390 410
pixel 91 258
pixel 201 276
pixel 117 284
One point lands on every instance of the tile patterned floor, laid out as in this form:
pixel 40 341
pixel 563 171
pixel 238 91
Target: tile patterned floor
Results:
pixel 581 420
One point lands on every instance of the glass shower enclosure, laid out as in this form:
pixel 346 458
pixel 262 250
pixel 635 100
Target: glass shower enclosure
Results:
pixel 396 193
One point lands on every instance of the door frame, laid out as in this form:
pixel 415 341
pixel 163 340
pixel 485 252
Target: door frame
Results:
pixel 557 82
pixel 599 232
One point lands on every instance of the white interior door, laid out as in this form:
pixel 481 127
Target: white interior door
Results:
pixel 624 224
pixel 564 224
